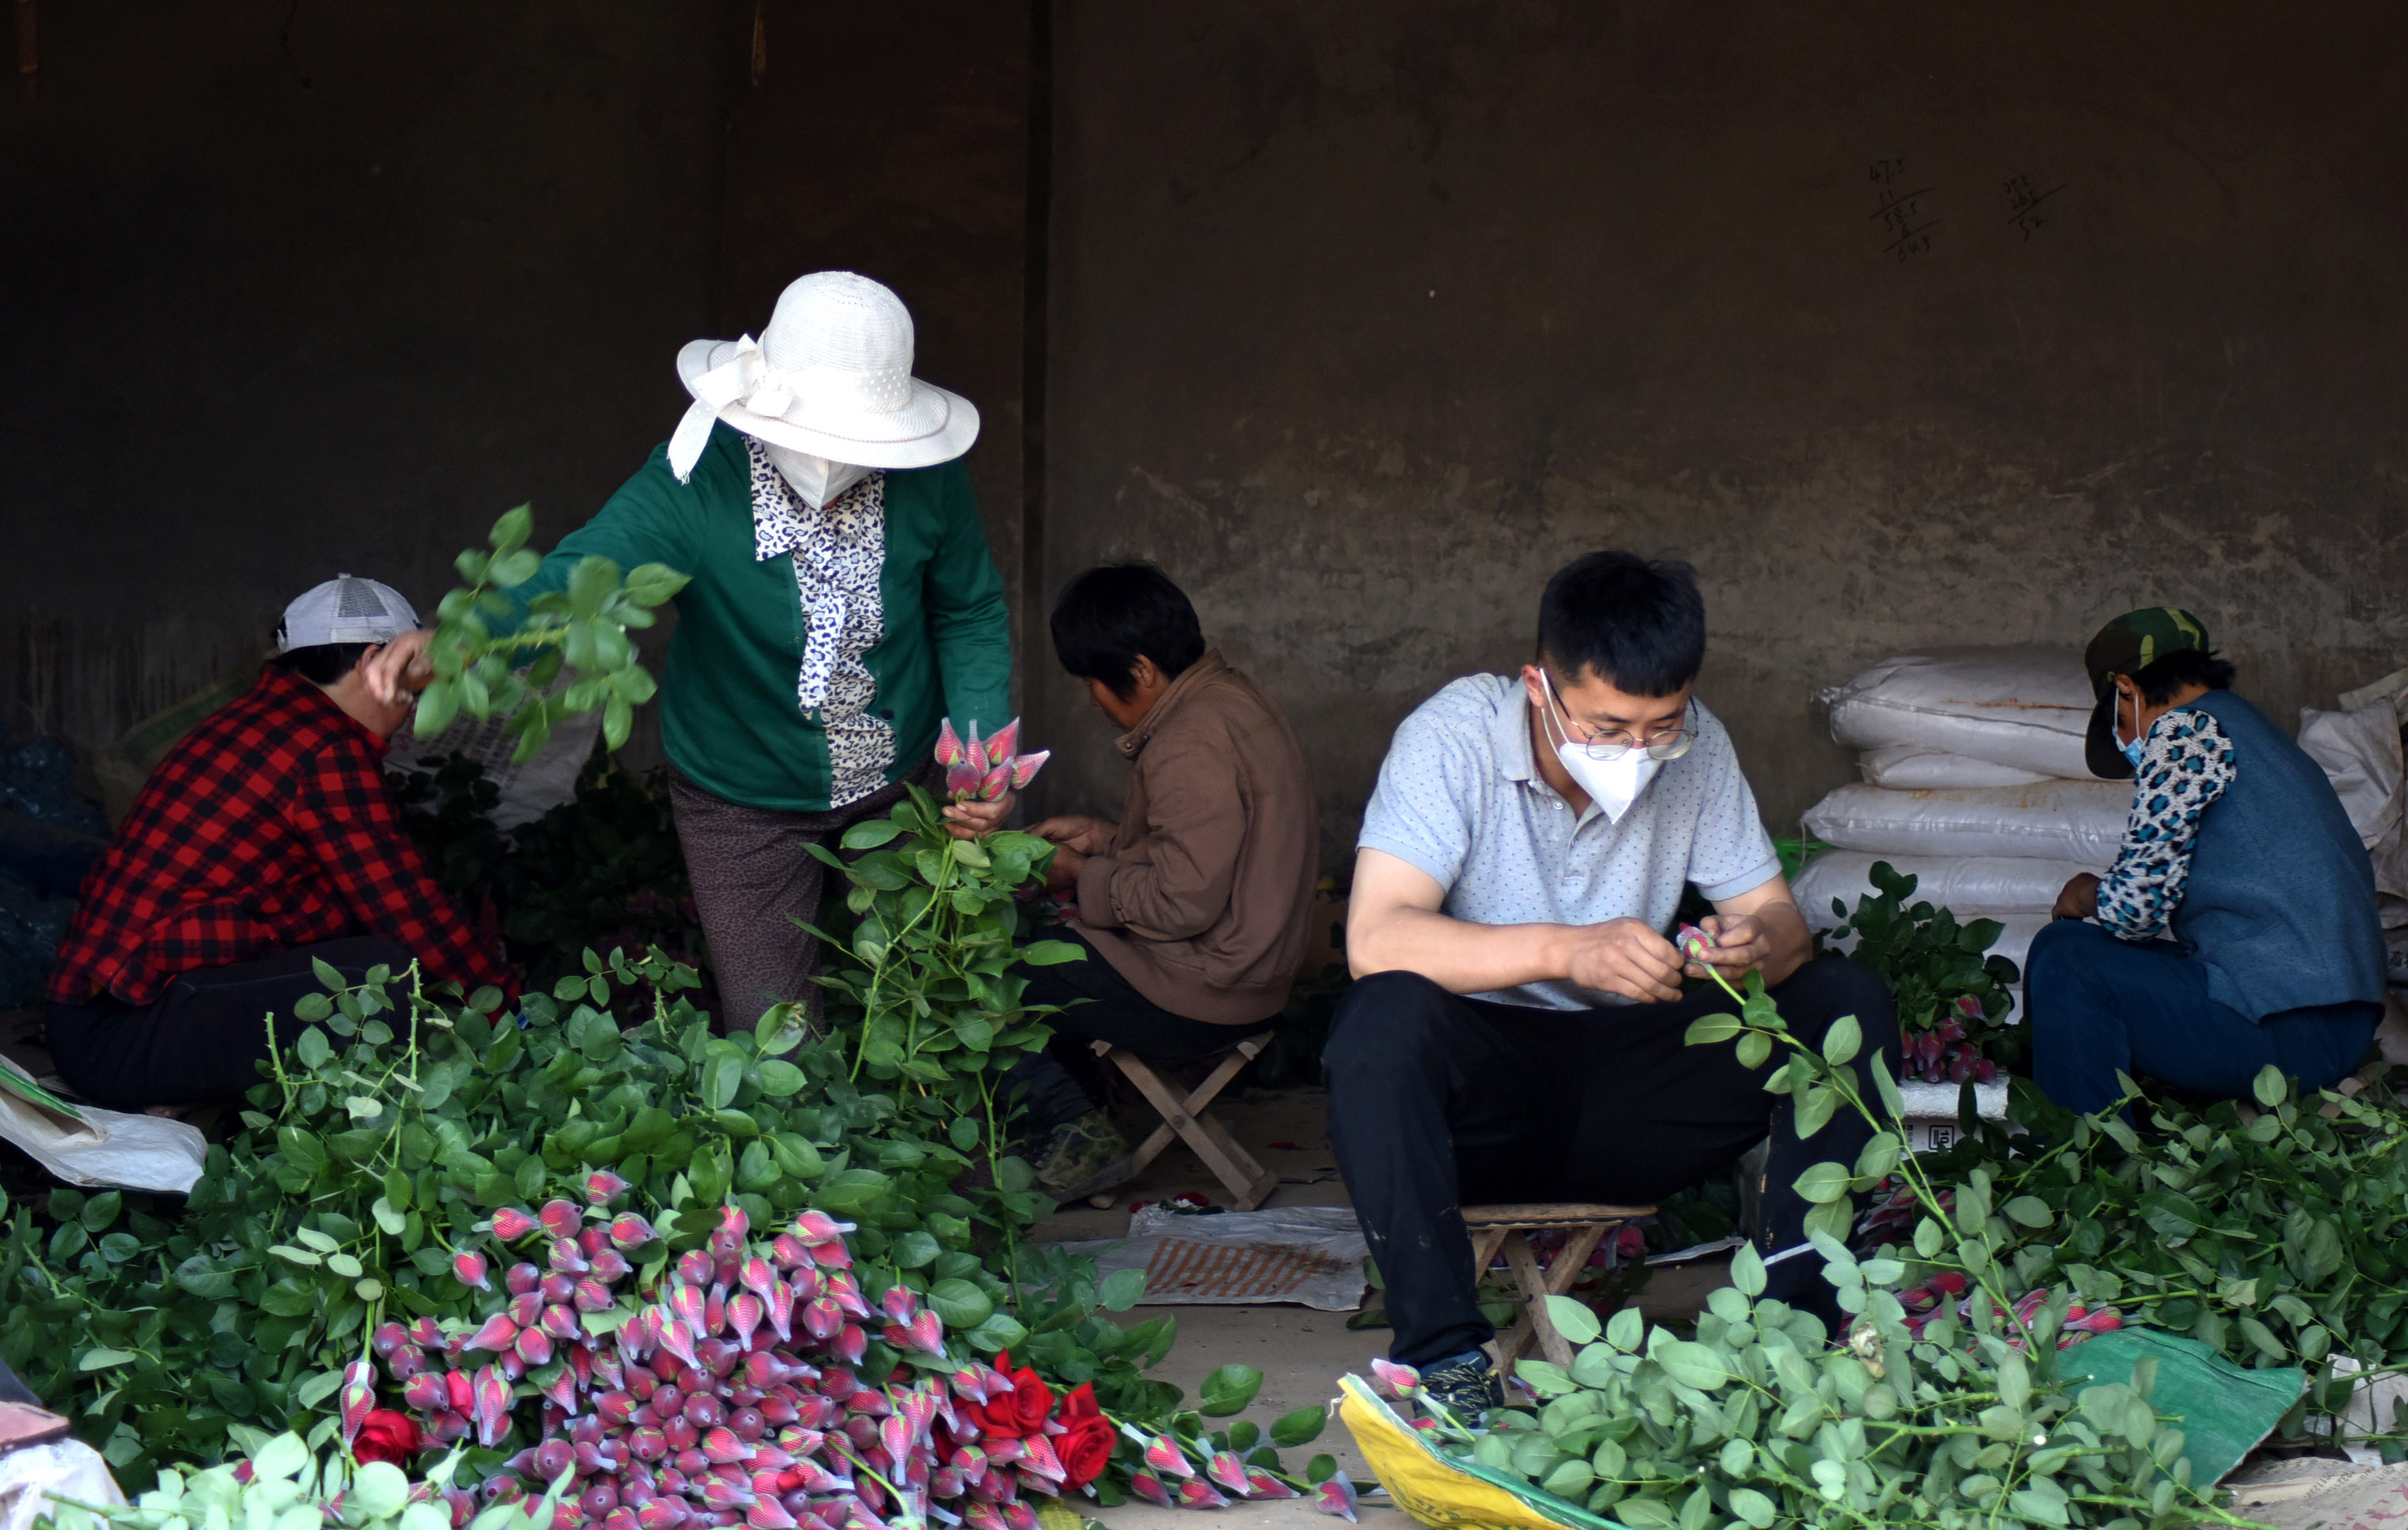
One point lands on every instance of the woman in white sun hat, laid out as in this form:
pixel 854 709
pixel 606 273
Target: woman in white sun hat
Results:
pixel 843 601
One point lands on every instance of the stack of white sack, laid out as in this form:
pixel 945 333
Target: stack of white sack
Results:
pixel 1975 785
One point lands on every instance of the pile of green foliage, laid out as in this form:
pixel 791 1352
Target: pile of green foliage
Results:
pixel 1753 1420
pixel 2272 1230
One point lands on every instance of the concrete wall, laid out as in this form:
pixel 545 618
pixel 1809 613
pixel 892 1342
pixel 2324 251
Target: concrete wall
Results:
pixel 301 288
pixel 1369 314
pixel 288 289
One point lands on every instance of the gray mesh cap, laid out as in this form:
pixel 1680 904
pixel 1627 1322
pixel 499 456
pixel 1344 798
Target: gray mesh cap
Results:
pixel 345 609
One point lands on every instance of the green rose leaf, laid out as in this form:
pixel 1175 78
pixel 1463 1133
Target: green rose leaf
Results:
pixel 1573 1318
pixel 1691 1364
pixel 962 1306
pixel 1301 1427
pixel 1228 1391
pixel 1822 1183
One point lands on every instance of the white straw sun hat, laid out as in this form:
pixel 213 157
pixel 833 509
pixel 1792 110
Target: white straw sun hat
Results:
pixel 831 376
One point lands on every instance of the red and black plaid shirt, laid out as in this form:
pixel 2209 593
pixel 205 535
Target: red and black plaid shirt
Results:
pixel 270 826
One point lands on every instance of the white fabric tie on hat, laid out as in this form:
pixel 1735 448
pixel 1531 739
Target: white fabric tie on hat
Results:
pixel 749 378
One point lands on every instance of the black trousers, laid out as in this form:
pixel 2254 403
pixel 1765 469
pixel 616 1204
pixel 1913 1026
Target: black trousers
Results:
pixel 1436 1102
pixel 204 1039
pixel 1061 1083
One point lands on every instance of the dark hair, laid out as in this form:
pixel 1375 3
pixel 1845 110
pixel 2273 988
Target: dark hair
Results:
pixel 2182 668
pixel 1115 613
pixel 323 662
pixel 1639 625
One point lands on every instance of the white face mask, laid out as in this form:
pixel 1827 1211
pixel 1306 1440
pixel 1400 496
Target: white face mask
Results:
pixel 815 477
pixel 1613 785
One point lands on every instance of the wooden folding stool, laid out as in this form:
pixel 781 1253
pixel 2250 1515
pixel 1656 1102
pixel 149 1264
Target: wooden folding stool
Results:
pixel 1505 1228
pixel 1190 1120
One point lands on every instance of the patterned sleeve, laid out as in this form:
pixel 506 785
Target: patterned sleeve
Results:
pixel 2186 765
pixel 347 815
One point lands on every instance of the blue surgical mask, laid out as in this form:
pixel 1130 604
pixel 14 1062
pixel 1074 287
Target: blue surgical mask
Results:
pixel 2131 751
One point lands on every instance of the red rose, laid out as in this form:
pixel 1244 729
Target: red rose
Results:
pixel 386 1435
pixel 1085 1449
pixel 1079 1402
pixel 1021 1412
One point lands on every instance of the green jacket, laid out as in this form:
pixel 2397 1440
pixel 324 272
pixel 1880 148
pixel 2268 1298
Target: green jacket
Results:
pixel 730 716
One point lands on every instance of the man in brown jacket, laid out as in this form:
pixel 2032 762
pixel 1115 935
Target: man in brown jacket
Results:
pixel 1192 908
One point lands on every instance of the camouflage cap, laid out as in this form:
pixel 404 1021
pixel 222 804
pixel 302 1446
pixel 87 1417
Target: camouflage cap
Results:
pixel 2127 645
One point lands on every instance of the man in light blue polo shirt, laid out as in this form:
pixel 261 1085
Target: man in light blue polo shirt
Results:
pixel 1516 1030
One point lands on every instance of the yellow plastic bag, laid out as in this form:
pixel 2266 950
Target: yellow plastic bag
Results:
pixel 1438 1490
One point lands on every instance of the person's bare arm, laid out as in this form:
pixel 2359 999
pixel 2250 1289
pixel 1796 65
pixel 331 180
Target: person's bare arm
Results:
pixel 1393 924
pixel 1759 928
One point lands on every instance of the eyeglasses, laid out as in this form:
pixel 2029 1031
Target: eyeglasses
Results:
pixel 1610 744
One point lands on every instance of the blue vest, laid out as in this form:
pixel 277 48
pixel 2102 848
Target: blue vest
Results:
pixel 2280 904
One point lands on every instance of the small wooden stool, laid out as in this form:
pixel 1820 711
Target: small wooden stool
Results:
pixel 1504 1228
pixel 1248 1182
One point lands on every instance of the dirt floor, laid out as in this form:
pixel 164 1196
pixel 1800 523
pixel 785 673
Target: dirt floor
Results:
pixel 1301 1352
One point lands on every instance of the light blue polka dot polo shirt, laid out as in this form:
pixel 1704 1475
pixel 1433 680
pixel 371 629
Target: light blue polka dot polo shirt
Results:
pixel 1460 795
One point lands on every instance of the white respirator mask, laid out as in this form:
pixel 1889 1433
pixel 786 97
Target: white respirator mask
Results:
pixel 1614 784
pixel 816 479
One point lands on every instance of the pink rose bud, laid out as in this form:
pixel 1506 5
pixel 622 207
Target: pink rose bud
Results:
pixel 1024 767
pixel 497 1336
pixel 818 1227
pixel 630 1232
pixel 744 1314
pixel 510 1224
pixel 610 1265
pixel 732 1219
pixel 459 1392
pixel 525 1308
pixel 602 1187
pixel 567 1258
pixel 387 1338
pixel 1336 1497
pixel 1007 739
pixel 962 780
pixel 523 1278
pixel 560 1219
pixel 1167 1458
pixel 425 1392
pixel 949 744
pixel 849 1344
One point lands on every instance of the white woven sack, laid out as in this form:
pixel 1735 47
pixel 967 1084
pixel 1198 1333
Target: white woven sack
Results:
pixel 2081 821
pixel 2024 707
pixel 1918 766
pixel 1993 883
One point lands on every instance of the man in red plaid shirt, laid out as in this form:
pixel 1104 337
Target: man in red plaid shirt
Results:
pixel 266 841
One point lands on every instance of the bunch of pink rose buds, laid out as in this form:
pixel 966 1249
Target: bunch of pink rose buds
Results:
pixel 983 771
pixel 726 1393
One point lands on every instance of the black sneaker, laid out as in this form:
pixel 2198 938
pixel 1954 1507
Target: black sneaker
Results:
pixel 1467 1385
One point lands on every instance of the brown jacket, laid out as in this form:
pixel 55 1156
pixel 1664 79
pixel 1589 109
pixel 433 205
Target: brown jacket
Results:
pixel 1205 896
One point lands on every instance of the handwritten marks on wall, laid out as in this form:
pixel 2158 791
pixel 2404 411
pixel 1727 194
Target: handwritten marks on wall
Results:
pixel 1906 208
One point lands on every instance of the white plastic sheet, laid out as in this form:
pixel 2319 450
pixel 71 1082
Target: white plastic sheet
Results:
pixel 67 1467
pixel 2024 707
pixel 528 791
pixel 2078 821
pixel 106 1147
